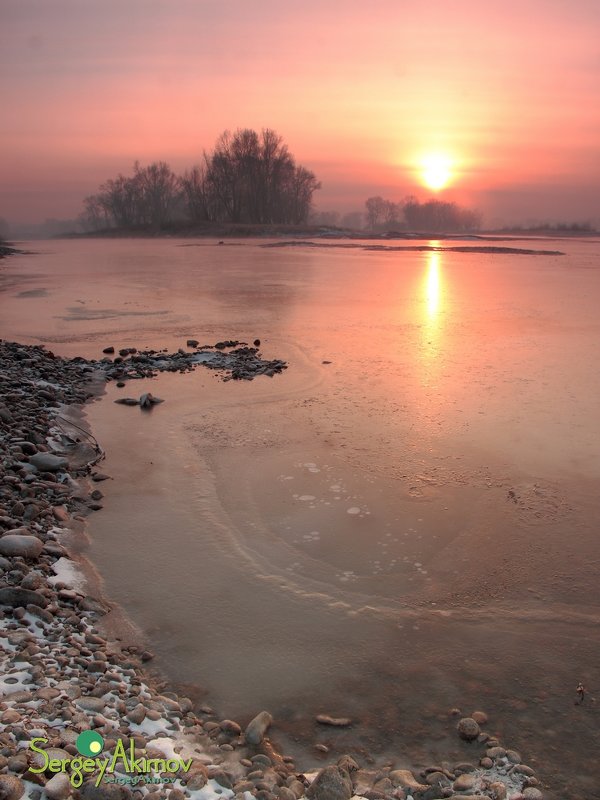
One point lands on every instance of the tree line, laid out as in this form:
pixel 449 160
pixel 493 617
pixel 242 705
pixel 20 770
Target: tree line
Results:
pixel 432 216
pixel 247 178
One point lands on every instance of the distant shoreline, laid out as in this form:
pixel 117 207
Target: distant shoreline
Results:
pixel 244 230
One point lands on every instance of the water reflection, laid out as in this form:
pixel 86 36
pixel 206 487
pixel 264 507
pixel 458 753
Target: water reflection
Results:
pixel 432 292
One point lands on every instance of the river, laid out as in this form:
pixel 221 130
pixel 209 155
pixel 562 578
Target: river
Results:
pixel 404 522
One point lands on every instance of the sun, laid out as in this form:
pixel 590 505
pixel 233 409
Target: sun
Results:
pixel 435 171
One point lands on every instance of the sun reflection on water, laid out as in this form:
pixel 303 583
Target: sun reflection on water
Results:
pixel 433 287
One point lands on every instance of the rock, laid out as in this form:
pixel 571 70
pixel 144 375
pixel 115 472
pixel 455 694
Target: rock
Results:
pixel 221 777
pixel 336 722
pixel 192 343
pixel 90 703
pixel 531 793
pixel 523 769
pixel 331 783
pixel 468 729
pixel 47 462
pixel 127 401
pixel 406 780
pixel 348 763
pixel 231 727
pixel 58 787
pixel 464 783
pixel 109 350
pixel 148 400
pixel 257 728
pixel 105 791
pixel 14 544
pixel 498 790
pixel 480 717
pixel 15 597
pixel 11 787
pixel 137 715
pixel 436 778
pixel 513 756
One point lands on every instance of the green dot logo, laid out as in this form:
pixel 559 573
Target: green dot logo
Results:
pixel 89 743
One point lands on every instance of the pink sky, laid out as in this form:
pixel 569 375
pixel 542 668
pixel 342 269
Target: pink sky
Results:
pixel 510 91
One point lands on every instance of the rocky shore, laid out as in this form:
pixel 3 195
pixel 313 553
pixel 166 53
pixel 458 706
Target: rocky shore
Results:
pixel 79 715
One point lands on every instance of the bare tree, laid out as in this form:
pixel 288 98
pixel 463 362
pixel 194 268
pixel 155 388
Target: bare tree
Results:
pixel 376 211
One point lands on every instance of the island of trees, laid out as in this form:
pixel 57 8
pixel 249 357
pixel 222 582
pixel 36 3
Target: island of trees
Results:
pixel 247 178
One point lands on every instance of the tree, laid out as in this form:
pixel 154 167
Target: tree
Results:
pixel 439 216
pixel 376 211
pixel 248 177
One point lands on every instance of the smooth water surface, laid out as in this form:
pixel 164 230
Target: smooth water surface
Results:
pixel 404 522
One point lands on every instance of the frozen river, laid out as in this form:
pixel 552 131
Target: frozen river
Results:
pixel 404 522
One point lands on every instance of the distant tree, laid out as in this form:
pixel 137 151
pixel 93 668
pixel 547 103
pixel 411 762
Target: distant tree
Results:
pixel 155 187
pixel 439 216
pixel 329 218
pixel 376 211
pixel 4 229
pixel 248 177
pixel 254 178
pixel 353 220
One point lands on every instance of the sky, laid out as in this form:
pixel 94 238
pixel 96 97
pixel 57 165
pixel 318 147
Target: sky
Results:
pixel 507 92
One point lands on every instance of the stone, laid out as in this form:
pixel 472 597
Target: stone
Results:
pixel 11 787
pixel 468 729
pixel 47 462
pixel 480 717
pixel 336 722
pixel 15 597
pixel 406 780
pixel 90 703
pixel 257 728
pixel 531 793
pixel 464 783
pixel 58 787
pixel 523 769
pixel 331 783
pixel 105 791
pixel 127 401
pixel 17 544
pixel 192 343
pixel 498 790
pixel 137 715
pixel 231 727
pixel 148 400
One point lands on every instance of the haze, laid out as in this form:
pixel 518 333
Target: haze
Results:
pixel 360 92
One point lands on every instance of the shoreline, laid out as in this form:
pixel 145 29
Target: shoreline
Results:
pixel 84 680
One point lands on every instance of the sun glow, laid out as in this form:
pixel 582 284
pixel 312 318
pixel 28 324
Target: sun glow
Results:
pixel 435 171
